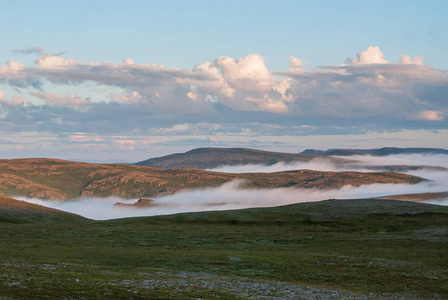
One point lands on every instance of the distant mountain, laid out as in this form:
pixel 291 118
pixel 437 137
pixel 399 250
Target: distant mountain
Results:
pixel 380 152
pixel 210 158
pixel 16 211
pixel 61 179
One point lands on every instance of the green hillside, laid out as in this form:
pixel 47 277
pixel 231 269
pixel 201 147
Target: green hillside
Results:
pixel 15 211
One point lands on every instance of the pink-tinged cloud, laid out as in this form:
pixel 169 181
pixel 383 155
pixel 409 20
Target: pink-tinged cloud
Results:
pixel 367 86
pixel 128 98
pixel 51 61
pixel 243 84
pixel 85 138
pixel 430 115
pixel 372 55
pixel 76 103
pixel 16 100
pixel 407 60
pixel 295 64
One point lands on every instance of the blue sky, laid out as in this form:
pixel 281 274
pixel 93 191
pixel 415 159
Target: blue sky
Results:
pixel 227 79
pixel 181 34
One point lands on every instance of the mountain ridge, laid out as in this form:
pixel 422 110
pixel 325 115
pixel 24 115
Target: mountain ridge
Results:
pixel 211 158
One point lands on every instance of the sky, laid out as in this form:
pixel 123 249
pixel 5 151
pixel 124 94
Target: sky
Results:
pixel 126 81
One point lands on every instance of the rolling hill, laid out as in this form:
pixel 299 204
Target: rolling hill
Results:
pixel 420 197
pixel 335 249
pixel 60 179
pixel 211 158
pixel 15 211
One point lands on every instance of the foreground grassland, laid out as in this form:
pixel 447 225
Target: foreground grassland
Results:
pixel 357 248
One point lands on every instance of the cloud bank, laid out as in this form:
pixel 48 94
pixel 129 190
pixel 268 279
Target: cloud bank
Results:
pixel 232 196
pixel 359 163
pixel 227 100
pixel 229 196
pixel 236 90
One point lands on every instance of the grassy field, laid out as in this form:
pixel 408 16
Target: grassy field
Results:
pixel 375 248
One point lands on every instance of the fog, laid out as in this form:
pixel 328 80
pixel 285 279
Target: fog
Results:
pixel 233 195
pixel 320 164
pixel 361 164
pixel 435 160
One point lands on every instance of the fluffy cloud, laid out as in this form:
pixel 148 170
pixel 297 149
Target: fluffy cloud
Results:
pixel 295 64
pixel 406 59
pixel 367 92
pixel 243 84
pixel 372 55
pixel 52 61
pixel 11 69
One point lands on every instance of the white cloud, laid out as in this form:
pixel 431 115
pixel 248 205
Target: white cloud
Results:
pixel 372 55
pixel 11 70
pixel 128 61
pixel 230 92
pixel 295 64
pixel 249 67
pixel 51 61
pixel 243 84
pixel 406 59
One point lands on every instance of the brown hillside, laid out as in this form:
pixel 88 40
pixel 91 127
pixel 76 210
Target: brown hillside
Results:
pixel 420 197
pixel 59 179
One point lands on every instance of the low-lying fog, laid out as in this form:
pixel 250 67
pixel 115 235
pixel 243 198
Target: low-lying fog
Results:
pixel 362 163
pixel 231 195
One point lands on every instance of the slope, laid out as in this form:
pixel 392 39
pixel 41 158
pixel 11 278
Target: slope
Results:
pixel 209 158
pixel 15 211
pixel 59 179
pixel 370 248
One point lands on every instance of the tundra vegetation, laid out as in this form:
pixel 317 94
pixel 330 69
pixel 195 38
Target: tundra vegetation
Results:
pixel 331 249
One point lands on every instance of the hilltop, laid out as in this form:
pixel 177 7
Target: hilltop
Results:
pixel 61 179
pixel 15 211
pixel 420 197
pixel 211 158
